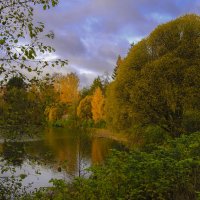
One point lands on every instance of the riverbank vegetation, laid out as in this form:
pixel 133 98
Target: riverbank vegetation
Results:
pixel 153 96
pixel 166 172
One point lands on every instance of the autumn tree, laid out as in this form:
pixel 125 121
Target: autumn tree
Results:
pixel 97 105
pixel 158 82
pixel 68 88
pixel 21 42
pixel 100 81
pixel 84 110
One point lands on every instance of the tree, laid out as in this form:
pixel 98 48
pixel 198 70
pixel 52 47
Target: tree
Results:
pixel 97 105
pixel 48 97
pixel 85 91
pixel 84 110
pixel 119 61
pixel 15 116
pixel 95 84
pixel 67 87
pixel 40 96
pixel 158 82
pixel 21 38
pixel 16 82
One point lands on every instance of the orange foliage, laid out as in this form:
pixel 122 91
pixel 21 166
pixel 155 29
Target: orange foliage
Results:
pixel 84 108
pixel 67 87
pixel 97 105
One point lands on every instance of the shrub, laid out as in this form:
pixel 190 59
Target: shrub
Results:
pixel 167 172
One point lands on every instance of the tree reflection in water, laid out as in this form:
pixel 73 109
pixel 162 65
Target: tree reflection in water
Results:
pixel 60 153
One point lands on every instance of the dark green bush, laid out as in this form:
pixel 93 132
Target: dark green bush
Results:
pixel 168 172
pixel 191 121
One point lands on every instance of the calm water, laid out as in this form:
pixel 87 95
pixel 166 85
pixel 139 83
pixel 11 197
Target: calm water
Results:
pixel 60 154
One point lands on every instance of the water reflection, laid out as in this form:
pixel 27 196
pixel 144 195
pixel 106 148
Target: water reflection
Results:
pixel 61 154
pixel 14 153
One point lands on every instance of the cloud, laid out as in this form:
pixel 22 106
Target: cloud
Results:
pixel 92 33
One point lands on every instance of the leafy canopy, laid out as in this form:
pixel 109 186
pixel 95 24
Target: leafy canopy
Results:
pixel 158 82
pixel 21 42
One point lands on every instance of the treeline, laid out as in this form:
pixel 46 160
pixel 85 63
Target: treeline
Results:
pixel 156 85
pixel 23 106
pixel 39 102
pixel 54 100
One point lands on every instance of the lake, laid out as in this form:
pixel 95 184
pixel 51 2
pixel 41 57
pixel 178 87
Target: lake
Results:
pixel 60 153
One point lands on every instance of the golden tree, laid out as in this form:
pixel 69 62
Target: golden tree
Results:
pixel 97 105
pixel 158 82
pixel 84 108
pixel 67 87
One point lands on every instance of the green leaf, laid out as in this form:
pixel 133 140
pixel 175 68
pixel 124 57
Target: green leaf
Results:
pixel 2 41
pixel 23 176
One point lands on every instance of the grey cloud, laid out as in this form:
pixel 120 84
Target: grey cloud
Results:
pixel 92 33
pixel 69 44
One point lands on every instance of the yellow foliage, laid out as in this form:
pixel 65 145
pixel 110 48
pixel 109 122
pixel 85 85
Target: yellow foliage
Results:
pixel 84 108
pixel 51 113
pixel 33 93
pixel 97 105
pixel 67 87
pixel 158 81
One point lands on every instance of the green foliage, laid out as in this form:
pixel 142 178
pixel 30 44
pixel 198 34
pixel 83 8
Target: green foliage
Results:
pixel 155 95
pixel 191 121
pixel 164 172
pixel 100 124
pixel 154 135
pixel 158 81
pixel 119 61
pixel 59 191
pixel 86 123
pixel 70 122
pixel 16 115
pixel 84 92
pixel 60 123
pixel 117 107
pixel 84 110
pixel 15 81
pixel 13 153
pixel 97 83
pixel 22 107
pixel 11 186
pixel 147 136
pixel 17 25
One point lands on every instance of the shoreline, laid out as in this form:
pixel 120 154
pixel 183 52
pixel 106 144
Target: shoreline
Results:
pixel 94 132
pixel 105 133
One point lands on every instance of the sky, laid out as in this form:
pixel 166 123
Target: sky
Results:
pixel 91 34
